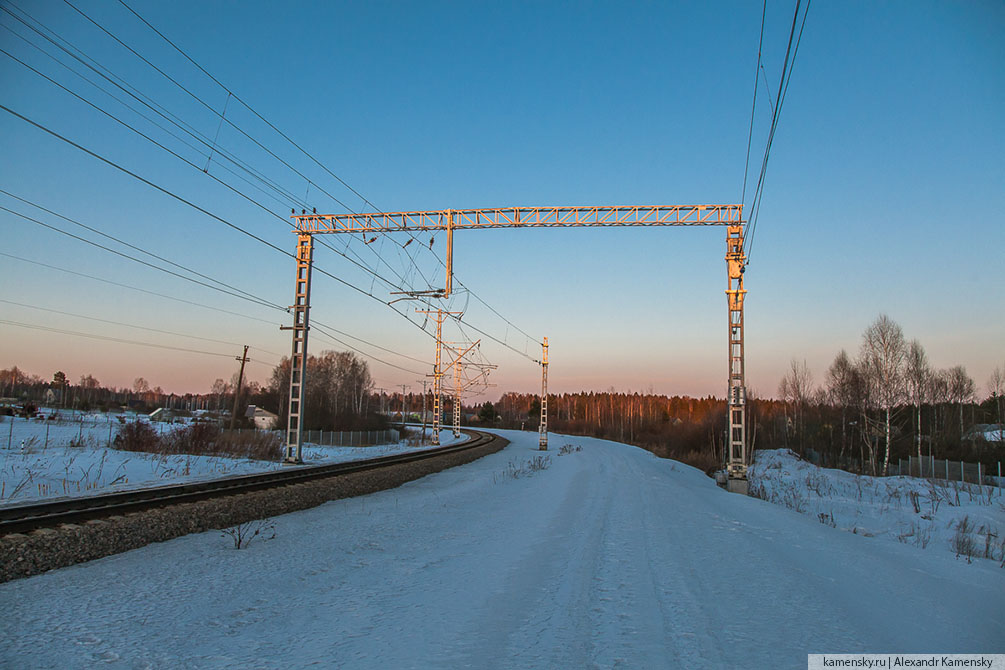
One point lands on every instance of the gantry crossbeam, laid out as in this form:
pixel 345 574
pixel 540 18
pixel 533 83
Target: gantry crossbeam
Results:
pixel 515 217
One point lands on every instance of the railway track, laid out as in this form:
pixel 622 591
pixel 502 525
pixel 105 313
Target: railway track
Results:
pixel 52 514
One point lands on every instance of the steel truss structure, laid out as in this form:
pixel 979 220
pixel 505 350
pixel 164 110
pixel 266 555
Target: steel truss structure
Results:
pixel 730 216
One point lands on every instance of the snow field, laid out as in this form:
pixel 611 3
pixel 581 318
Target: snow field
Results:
pixel 965 519
pixel 605 557
pixel 52 468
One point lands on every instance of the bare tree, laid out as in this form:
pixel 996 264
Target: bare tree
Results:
pixel 918 373
pixel 883 359
pixel 220 389
pixel 11 378
pixel 939 395
pixel 140 385
pixel 996 386
pixel 841 382
pixel 89 384
pixel 961 389
pixel 338 385
pixel 796 388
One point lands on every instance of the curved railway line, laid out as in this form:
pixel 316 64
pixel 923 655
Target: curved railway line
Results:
pixel 36 537
pixel 51 514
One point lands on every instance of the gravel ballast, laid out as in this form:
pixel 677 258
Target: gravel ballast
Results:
pixel 51 548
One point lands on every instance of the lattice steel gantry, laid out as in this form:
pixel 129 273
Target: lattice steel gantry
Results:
pixel 437 371
pixel 450 220
pixel 736 261
pixel 542 427
pixel 298 357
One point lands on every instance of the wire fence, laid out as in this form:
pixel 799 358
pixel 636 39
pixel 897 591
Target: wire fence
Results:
pixel 959 471
pixel 927 467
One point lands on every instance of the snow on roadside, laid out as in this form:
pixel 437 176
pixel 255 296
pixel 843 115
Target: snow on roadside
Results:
pixel 72 458
pixel 948 516
pixel 607 558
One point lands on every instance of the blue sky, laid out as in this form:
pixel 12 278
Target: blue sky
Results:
pixel 884 192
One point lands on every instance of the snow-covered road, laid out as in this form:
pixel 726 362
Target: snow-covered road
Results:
pixel 610 557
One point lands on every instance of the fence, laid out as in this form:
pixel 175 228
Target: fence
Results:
pixel 346 438
pixel 926 467
pixel 975 473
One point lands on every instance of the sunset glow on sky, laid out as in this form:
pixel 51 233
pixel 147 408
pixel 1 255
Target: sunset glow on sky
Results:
pixel 884 192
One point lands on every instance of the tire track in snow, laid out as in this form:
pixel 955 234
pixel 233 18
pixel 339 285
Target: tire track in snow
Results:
pixel 540 616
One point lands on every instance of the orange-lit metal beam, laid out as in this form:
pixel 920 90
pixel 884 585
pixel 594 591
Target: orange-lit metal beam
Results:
pixel 516 217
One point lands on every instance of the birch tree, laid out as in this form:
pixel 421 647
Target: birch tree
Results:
pixel 996 386
pixel 883 359
pixel 939 395
pixel 796 388
pixel 918 373
pixel 961 389
pixel 841 382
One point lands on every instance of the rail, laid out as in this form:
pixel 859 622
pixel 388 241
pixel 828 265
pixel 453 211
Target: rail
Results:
pixel 32 516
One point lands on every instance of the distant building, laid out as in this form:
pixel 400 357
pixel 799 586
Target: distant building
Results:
pixel 262 418
pixel 989 432
pixel 163 414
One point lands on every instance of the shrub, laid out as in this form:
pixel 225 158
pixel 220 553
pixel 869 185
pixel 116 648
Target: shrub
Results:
pixel 963 541
pixel 243 533
pixel 138 436
pixel 258 445
pixel 200 439
pixel 197 438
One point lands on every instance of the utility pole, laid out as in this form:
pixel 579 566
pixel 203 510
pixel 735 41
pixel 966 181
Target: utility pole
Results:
pixel 423 382
pixel 543 425
pixel 240 382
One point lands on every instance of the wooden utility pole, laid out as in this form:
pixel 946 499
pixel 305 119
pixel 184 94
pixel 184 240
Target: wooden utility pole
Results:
pixel 240 382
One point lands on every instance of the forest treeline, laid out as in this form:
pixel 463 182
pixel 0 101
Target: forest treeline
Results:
pixel 884 403
pixel 880 404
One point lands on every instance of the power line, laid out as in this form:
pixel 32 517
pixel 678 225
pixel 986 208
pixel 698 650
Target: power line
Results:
pixel 322 271
pixel 495 339
pixel 235 292
pixel 210 307
pixel 249 107
pixel 322 330
pixel 131 325
pixel 151 105
pixel 753 106
pixel 108 338
pixel 145 181
pixel 191 164
pixel 365 200
pixel 239 130
pixel 358 263
pixel 135 288
pixel 783 85
pixel 203 103
pixel 133 258
pixel 184 201
pixel 315 322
